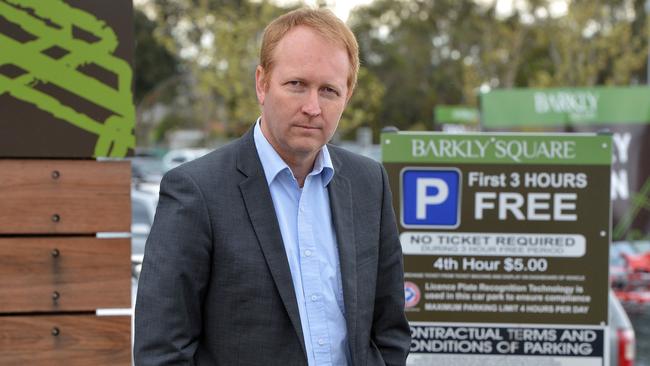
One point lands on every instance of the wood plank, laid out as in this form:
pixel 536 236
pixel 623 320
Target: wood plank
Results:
pixel 64 196
pixel 67 340
pixel 86 273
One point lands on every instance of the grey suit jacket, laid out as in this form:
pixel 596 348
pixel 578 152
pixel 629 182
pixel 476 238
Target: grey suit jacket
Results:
pixel 216 288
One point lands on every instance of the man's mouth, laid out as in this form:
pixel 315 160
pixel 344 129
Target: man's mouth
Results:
pixel 307 127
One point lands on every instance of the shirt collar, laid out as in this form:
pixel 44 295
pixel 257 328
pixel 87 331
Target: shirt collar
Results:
pixel 273 164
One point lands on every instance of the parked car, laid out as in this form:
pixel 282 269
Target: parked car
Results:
pixel 629 270
pixel 144 199
pixel 177 157
pixel 638 263
pixel 622 346
pixel 618 265
pixel 146 169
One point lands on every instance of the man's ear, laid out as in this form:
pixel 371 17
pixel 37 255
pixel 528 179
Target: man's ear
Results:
pixel 260 84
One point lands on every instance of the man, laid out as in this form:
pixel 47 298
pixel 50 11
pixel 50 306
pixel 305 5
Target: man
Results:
pixel 278 249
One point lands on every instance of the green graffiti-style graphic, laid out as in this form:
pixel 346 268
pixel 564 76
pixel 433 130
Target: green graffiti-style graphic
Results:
pixel 115 134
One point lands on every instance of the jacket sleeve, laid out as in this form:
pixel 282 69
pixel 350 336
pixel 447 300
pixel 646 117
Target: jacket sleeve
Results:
pixel 390 330
pixel 174 277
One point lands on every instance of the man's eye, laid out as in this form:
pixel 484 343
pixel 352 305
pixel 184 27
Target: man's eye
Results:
pixel 294 83
pixel 331 91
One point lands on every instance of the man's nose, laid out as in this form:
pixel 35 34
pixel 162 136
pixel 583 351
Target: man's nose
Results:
pixel 311 106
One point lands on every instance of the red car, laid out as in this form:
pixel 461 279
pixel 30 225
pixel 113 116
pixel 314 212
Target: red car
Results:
pixel 630 270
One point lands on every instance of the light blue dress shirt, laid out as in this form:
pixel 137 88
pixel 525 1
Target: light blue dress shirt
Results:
pixel 309 240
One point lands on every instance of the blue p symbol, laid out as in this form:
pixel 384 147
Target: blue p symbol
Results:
pixel 430 198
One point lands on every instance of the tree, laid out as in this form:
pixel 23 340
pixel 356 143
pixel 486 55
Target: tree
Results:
pixel 418 50
pixel 218 42
pixel 153 62
pixel 155 70
pixel 364 106
pixel 596 43
pixel 428 52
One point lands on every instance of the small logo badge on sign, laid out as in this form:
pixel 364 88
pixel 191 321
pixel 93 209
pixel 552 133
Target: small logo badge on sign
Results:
pixel 430 198
pixel 411 294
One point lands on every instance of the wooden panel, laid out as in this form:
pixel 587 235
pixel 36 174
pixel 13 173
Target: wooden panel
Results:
pixel 64 196
pixel 67 340
pixel 64 274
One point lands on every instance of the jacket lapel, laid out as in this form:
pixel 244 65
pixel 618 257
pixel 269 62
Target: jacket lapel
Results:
pixel 343 219
pixel 259 205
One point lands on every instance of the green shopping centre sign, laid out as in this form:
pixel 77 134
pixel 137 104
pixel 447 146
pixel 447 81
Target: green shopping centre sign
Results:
pixel 561 107
pixel 624 112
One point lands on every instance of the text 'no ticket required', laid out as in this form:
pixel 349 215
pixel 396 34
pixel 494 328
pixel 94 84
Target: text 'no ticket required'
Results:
pixel 492 244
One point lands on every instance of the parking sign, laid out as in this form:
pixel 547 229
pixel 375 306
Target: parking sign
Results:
pixel 505 242
pixel 430 197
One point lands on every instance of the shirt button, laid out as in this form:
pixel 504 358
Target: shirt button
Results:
pixel 321 342
pixel 314 297
pixel 308 253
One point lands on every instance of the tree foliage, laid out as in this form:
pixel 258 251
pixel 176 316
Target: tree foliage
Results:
pixel 363 108
pixel 218 41
pixel 596 43
pixel 429 52
pixel 153 62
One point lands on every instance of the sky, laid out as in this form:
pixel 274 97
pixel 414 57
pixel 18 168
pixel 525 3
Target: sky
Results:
pixel 341 8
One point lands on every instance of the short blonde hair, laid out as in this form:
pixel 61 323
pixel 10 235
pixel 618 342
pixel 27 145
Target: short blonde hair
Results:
pixel 325 23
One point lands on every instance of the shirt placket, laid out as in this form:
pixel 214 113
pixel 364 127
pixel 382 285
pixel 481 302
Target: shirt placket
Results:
pixel 311 279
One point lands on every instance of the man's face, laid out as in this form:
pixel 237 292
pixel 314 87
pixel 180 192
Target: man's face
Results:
pixel 304 96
